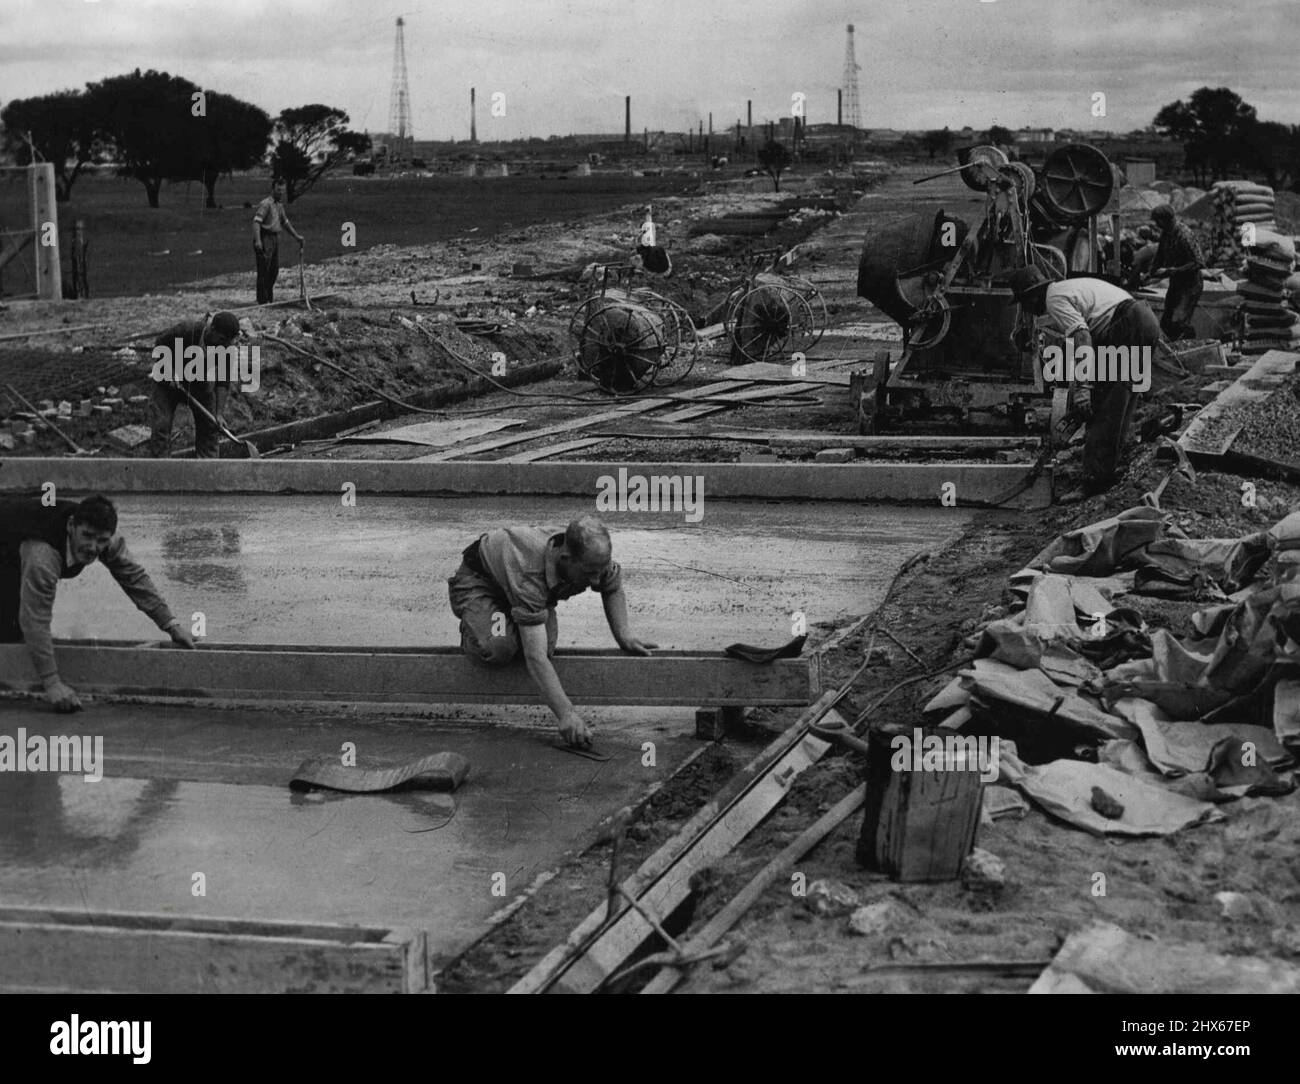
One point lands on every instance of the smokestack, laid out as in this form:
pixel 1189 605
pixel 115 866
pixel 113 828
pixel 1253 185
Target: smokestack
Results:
pixel 627 119
pixel 473 118
pixel 839 108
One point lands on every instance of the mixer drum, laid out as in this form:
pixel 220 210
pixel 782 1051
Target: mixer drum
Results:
pixel 903 248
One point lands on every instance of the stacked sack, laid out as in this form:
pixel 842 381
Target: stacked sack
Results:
pixel 1268 320
pixel 1235 204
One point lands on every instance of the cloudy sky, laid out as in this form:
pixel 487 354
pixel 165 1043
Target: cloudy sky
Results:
pixel 564 65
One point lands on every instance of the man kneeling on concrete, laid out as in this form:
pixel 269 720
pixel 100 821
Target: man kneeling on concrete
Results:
pixel 42 544
pixel 506 590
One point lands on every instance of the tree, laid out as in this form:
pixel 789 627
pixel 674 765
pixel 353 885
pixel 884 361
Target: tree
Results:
pixel 309 141
pixel 234 135
pixel 1214 126
pixel 999 136
pixel 1272 149
pixel 151 119
pixel 775 159
pixel 937 141
pixel 59 129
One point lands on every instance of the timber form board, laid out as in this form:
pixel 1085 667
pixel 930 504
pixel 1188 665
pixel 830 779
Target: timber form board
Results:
pixel 51 950
pixel 887 482
pixel 411 675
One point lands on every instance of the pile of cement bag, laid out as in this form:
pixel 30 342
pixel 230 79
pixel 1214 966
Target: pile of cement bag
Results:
pixel 1268 314
pixel 1237 203
pixel 1095 699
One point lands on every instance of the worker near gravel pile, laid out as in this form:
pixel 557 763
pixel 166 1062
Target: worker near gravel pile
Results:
pixel 269 221
pixel 1178 256
pixel 220 329
pixel 42 544
pixel 506 590
pixel 1095 314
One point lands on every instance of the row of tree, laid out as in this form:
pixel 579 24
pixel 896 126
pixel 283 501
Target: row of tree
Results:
pixel 1222 137
pixel 158 127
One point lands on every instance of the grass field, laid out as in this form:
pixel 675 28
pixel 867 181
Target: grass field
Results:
pixel 135 249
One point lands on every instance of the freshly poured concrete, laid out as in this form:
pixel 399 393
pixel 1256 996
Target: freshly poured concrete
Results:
pixel 307 570
pixel 189 791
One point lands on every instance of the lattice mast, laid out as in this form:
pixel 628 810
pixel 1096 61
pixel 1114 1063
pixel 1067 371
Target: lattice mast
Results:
pixel 399 113
pixel 852 109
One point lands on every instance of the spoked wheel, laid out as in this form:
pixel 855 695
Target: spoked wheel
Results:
pixel 772 320
pixel 681 346
pixel 1077 181
pixel 929 324
pixel 621 345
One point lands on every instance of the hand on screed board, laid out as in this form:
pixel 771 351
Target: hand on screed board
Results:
pixel 180 635
pixel 61 696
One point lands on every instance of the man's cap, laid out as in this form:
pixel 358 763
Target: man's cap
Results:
pixel 226 324
pixel 1026 280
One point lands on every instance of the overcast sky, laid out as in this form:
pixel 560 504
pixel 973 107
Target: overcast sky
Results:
pixel 564 65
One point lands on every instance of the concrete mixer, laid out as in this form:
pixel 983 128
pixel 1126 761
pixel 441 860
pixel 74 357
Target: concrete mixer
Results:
pixel 970 361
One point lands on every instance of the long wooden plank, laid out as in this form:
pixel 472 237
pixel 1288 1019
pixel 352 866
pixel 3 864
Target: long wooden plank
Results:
pixel 668 977
pixel 553 450
pixel 1207 435
pixel 668 857
pixel 770 372
pixel 440 676
pixel 740 397
pixel 98 953
pixel 585 422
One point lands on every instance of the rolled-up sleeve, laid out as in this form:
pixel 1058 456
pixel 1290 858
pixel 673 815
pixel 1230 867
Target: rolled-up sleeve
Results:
pixel 40 583
pixel 529 606
pixel 611 580
pixel 135 581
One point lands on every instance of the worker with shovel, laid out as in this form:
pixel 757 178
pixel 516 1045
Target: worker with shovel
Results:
pixel 1179 257
pixel 505 592
pixel 42 544
pixel 1094 314
pixel 205 398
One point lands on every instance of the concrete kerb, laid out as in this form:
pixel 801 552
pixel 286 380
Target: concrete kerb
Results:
pixel 972 484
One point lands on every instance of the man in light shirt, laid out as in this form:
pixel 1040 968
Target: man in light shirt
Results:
pixel 506 590
pixel 1096 314
pixel 271 218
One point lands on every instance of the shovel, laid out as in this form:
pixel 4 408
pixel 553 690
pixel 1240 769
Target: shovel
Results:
pixel 249 448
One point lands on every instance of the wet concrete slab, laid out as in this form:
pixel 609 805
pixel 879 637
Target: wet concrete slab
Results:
pixel 204 791
pixel 306 570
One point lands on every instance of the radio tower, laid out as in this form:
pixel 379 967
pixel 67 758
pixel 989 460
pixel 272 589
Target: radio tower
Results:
pixel 852 110
pixel 399 113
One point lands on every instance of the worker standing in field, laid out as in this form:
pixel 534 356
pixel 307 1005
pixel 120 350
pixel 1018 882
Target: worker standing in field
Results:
pixel 506 590
pixel 1180 257
pixel 269 221
pixel 1095 314
pixel 220 330
pixel 42 544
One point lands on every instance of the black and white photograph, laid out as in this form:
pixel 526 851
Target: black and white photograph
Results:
pixel 613 497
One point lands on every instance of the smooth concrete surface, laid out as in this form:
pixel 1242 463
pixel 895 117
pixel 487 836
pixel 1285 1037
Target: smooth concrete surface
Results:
pixel 205 791
pixel 305 570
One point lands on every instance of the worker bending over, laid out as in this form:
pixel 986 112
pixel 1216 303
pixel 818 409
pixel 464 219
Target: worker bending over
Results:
pixel 1096 314
pixel 42 544
pixel 506 590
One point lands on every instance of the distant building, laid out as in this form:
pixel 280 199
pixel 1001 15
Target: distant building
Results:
pixel 886 135
pixel 1034 135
